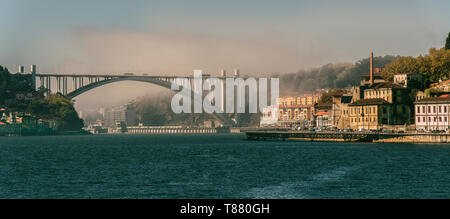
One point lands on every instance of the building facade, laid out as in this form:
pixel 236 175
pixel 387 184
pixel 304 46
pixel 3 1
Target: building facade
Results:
pixel 370 114
pixel 297 110
pixel 125 114
pixel 340 117
pixel 377 103
pixel 269 116
pixel 409 80
pixel 442 85
pixel 433 113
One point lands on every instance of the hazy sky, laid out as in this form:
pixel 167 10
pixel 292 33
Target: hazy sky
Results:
pixel 180 36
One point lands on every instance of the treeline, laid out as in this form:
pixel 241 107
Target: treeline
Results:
pixel 10 84
pixel 155 110
pixel 434 66
pixel 52 107
pixel 329 76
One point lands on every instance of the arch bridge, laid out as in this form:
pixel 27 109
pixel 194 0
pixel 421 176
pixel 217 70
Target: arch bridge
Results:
pixel 73 85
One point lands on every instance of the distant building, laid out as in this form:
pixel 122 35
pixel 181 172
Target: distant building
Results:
pixel 297 110
pixel 340 116
pixel 442 85
pixel 433 113
pixel 125 114
pixel 377 103
pixel 377 77
pixel 409 80
pixel 323 120
pixel 370 114
pixel 322 116
pixel 269 116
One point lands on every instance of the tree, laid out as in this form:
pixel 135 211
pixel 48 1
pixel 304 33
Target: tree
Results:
pixel 447 42
pixel 4 82
pixel 59 109
pixel 399 66
pixel 435 66
pixel 327 97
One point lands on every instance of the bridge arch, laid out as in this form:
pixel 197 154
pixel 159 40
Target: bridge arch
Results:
pixel 162 82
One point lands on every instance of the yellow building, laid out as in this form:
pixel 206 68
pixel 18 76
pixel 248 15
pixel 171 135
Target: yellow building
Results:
pixel 297 109
pixel 370 114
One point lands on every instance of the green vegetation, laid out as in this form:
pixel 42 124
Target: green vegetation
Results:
pixel 12 83
pixel 60 109
pixel 430 92
pixel 434 66
pixel 155 110
pixel 52 107
pixel 327 97
pixel 400 65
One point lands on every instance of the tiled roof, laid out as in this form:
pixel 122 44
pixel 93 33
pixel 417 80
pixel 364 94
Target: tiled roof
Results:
pixel 444 98
pixel 387 84
pixel 363 102
pixel 295 106
pixel 375 75
pixel 438 83
pixel 322 113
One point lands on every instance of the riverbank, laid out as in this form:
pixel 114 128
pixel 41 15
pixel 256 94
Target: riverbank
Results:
pixel 45 133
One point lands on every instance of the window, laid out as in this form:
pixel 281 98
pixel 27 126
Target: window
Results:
pixel 423 109
pixel 418 109
pixel 434 109
pixel 440 109
pixel 434 119
pixel 429 109
pixel 445 109
pixel 418 119
pixel 445 119
pixel 440 119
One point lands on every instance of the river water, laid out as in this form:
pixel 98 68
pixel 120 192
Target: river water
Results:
pixel 218 166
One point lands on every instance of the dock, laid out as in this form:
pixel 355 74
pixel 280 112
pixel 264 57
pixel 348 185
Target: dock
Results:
pixel 283 135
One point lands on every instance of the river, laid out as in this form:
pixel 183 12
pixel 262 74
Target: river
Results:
pixel 218 166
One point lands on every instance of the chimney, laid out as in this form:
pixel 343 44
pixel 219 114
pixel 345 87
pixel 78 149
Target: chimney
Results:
pixel 371 68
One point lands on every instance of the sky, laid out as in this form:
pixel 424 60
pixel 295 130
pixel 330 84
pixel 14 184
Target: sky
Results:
pixel 178 36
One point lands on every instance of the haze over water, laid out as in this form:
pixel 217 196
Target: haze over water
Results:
pixel 217 166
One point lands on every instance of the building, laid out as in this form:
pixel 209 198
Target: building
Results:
pixel 269 116
pixel 433 113
pixel 322 116
pixel 377 103
pixel 443 86
pixel 370 114
pixel 125 114
pixel 323 120
pixel 409 80
pixel 340 117
pixel 297 110
pixel 377 76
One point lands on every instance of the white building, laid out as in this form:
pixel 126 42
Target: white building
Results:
pixel 433 113
pixel 269 116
